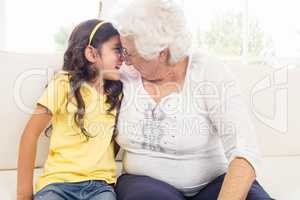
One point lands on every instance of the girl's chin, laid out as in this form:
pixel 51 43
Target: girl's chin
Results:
pixel 112 77
pixel 113 74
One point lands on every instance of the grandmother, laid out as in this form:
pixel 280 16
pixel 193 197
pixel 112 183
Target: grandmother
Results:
pixel 185 131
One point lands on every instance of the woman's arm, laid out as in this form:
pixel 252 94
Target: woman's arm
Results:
pixel 238 180
pixel 230 116
pixel 27 152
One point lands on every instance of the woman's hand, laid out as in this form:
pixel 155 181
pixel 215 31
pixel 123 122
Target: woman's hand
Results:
pixel 238 180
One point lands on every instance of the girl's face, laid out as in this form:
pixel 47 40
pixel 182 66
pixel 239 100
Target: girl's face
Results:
pixel 110 59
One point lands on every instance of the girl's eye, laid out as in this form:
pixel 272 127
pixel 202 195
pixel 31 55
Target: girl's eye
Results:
pixel 117 50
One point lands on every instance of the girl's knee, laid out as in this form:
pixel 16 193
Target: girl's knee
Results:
pixel 107 195
pixel 48 195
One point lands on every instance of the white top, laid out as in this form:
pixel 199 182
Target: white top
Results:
pixel 188 138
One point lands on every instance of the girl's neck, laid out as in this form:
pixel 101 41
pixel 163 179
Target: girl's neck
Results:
pixel 98 84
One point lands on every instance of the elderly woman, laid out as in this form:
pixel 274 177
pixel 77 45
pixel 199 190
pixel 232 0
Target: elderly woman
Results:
pixel 184 129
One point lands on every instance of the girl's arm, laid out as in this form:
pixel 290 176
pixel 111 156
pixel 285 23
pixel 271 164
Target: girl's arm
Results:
pixel 27 151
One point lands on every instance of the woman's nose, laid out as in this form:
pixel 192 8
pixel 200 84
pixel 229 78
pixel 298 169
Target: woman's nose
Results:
pixel 127 62
pixel 126 59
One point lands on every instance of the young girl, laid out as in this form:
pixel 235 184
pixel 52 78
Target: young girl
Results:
pixel 81 103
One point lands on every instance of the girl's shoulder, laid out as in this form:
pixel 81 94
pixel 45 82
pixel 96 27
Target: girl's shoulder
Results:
pixel 62 75
pixel 56 92
pixel 60 82
pixel 62 78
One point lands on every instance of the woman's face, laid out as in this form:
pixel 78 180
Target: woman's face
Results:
pixel 149 69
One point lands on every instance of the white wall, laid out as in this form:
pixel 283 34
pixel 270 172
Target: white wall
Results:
pixel 2 24
pixel 107 6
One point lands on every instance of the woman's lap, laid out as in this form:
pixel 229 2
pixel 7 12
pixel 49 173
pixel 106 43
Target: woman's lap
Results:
pixel 211 191
pixel 134 187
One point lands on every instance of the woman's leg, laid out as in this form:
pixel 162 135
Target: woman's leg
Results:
pixel 211 191
pixel 257 192
pixel 134 187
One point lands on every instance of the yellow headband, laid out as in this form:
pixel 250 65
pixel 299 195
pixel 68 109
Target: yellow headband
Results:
pixel 94 31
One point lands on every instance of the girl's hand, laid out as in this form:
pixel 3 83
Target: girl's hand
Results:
pixel 20 197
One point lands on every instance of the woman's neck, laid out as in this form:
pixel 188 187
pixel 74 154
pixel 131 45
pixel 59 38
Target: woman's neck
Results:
pixel 173 73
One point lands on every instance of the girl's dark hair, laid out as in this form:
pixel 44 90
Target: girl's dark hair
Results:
pixel 81 70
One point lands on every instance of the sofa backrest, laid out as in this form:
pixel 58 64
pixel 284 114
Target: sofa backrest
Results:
pixel 272 97
pixel 23 79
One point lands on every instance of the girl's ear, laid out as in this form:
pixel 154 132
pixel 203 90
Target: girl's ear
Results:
pixel 164 56
pixel 90 54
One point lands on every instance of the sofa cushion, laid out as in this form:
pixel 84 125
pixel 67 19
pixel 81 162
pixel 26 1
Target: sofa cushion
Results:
pixel 8 181
pixel 280 178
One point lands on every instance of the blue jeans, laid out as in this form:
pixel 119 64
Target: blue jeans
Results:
pixel 135 187
pixel 86 190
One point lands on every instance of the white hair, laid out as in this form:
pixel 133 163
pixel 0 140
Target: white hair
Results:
pixel 155 25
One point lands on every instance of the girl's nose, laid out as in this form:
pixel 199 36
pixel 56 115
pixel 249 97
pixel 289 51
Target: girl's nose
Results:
pixel 122 58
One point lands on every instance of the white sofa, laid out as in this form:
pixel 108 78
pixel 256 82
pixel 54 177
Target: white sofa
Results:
pixel 277 122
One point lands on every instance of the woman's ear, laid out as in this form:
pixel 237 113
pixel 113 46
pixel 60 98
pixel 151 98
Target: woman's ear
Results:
pixel 164 55
pixel 89 54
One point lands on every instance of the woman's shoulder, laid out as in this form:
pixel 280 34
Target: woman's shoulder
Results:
pixel 208 67
pixel 202 60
